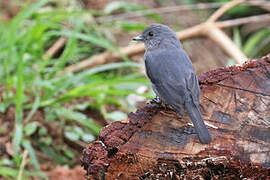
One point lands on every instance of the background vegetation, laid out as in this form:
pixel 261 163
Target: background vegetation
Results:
pixel 47 116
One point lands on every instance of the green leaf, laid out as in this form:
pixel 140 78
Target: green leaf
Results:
pixel 13 173
pixel 56 157
pixel 81 107
pixel 251 46
pixel 28 11
pixel 30 128
pixel 85 74
pixel 8 172
pixel 122 6
pixel 6 162
pixel 70 47
pixel 72 136
pixel 99 41
pixel 50 114
pixel 237 37
pixel 69 153
pixel 132 26
pixel 80 118
pixel 78 131
pixel 3 107
pixel 18 134
pixel 124 84
pixel 42 131
pixel 34 109
pixel 116 116
pixel 27 145
pixel 47 140
pixel 88 138
pixel 155 16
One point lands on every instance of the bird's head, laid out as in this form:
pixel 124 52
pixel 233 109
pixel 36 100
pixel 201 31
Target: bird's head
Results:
pixel 156 35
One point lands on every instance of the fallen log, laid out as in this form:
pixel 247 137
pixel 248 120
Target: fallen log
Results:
pixel 154 143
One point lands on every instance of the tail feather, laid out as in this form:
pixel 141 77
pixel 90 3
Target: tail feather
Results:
pixel 196 118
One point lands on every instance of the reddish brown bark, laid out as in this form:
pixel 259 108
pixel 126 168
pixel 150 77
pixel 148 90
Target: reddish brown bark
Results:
pixel 154 143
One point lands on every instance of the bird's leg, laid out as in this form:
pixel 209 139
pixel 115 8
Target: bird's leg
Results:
pixel 161 103
pixel 189 130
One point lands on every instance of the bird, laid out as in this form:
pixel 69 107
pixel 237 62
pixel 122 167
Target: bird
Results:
pixel 172 76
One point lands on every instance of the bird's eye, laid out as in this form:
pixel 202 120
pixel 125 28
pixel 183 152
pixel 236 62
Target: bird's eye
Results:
pixel 151 33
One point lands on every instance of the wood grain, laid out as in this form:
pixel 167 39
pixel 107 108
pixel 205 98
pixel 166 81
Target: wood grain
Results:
pixel 154 143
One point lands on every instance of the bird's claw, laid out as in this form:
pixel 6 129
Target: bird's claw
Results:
pixel 156 100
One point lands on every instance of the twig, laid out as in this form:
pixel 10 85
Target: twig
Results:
pixel 226 44
pixel 245 20
pixel 25 153
pixel 214 33
pixel 55 48
pixel 217 14
pixel 265 6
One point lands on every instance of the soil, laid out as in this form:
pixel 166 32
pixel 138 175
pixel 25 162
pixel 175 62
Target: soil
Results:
pixel 61 172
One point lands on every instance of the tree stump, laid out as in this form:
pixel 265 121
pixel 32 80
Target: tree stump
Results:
pixel 154 143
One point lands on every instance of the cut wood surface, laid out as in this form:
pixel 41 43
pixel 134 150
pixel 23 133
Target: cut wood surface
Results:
pixel 154 143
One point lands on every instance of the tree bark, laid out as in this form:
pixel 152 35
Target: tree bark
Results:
pixel 155 143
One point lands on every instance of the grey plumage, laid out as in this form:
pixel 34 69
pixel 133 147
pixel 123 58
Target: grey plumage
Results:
pixel 172 75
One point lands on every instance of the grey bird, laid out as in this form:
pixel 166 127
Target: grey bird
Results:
pixel 172 75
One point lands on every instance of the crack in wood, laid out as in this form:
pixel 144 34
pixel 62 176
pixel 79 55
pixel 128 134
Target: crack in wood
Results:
pixel 250 91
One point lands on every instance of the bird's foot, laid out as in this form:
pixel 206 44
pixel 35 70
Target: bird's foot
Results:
pixel 161 103
pixel 189 130
pixel 156 100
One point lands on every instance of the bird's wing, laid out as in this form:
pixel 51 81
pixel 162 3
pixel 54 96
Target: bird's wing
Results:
pixel 173 75
pixel 193 87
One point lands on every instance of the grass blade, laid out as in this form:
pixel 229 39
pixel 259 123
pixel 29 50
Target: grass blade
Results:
pixel 80 118
pixel 99 41
pixel 251 46
pixel 34 109
pixel 27 145
pixel 18 134
pixel 25 153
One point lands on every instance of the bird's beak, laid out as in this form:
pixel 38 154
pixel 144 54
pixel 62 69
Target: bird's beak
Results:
pixel 138 38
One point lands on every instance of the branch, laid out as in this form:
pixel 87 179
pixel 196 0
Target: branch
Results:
pixel 135 49
pixel 217 14
pixel 60 43
pixel 226 44
pixel 245 20
pixel 198 30
pixel 129 51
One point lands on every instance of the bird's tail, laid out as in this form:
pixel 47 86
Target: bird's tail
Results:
pixel 196 118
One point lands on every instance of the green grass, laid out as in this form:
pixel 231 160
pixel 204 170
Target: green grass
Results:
pixel 33 83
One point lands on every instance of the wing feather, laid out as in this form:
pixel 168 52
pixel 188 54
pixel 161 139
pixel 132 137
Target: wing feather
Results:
pixel 173 76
